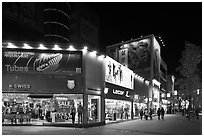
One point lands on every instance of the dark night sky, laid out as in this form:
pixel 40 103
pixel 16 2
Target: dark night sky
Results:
pixel 174 22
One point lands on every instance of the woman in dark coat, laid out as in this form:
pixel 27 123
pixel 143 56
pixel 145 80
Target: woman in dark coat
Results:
pixel 162 113
pixel 73 113
pixel 158 113
pixel 141 114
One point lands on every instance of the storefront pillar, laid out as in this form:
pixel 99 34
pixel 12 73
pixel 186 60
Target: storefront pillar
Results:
pixel 132 114
pixel 103 105
pixel 85 114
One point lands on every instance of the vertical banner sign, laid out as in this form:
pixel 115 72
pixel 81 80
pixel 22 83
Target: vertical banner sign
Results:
pixel 157 61
pixel 123 57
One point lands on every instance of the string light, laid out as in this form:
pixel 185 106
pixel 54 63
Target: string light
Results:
pixel 26 46
pixel 93 53
pixel 56 47
pixel 85 49
pixel 11 45
pixel 41 46
pixel 71 48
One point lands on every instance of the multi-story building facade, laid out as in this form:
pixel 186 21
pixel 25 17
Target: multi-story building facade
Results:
pixel 143 56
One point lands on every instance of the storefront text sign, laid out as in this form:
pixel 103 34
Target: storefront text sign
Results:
pixel 115 93
pixel 19 86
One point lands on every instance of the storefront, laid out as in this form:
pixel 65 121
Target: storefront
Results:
pixel 118 92
pixel 140 94
pixel 50 87
pixel 118 103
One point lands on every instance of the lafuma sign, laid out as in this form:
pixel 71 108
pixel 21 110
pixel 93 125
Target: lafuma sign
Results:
pixel 114 92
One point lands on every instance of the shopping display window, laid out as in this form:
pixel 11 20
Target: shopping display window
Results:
pixel 67 108
pixel 21 108
pixel 94 108
pixel 116 110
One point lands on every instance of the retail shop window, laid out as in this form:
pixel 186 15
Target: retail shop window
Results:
pixel 94 108
pixel 40 109
pixel 117 110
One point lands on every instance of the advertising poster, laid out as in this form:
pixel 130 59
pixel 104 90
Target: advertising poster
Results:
pixel 118 74
pixel 41 62
pixel 139 56
pixel 63 103
pixel 123 57
pixel 157 61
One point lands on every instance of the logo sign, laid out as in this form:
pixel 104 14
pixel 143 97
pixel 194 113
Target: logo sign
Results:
pixel 70 84
pixel 105 90
pixel 19 86
pixel 127 94
pixel 122 93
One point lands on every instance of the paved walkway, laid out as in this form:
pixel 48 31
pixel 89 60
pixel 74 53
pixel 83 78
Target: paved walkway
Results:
pixel 173 124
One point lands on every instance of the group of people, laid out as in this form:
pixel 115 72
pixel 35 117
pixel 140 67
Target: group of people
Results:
pixel 79 111
pixel 160 113
pixel 122 111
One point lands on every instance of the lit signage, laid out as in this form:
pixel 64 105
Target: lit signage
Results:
pixel 117 93
pixel 38 61
pixel 168 95
pixel 118 74
pixel 19 86
pixel 122 93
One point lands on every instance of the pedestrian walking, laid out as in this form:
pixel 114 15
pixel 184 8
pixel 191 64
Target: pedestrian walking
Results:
pixel 73 113
pixel 150 113
pixel 126 112
pixel 121 112
pixel 162 113
pixel 197 113
pixel 146 113
pixel 158 113
pixel 141 114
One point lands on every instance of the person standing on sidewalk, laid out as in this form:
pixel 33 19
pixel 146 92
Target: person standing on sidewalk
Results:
pixel 162 113
pixel 141 113
pixel 150 113
pixel 158 113
pixel 121 113
pixel 146 113
pixel 73 113
pixel 80 112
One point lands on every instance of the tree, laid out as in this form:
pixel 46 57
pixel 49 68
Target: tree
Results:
pixel 190 72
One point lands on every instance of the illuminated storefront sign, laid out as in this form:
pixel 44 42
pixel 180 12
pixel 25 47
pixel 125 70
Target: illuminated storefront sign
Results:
pixel 19 86
pixel 115 92
pixel 38 61
pixel 118 74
